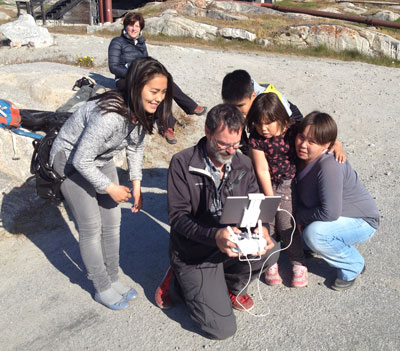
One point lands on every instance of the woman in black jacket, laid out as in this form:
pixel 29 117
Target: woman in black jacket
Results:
pixel 129 46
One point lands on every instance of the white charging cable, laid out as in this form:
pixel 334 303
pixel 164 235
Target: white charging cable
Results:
pixel 261 272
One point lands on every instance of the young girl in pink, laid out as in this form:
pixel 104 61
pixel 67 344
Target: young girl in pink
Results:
pixel 272 136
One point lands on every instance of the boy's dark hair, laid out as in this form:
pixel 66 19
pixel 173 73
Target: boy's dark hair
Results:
pixel 129 102
pixel 132 17
pixel 322 126
pixel 236 86
pixel 267 108
pixel 226 114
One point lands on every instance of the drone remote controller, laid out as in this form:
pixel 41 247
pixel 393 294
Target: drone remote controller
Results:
pixel 248 243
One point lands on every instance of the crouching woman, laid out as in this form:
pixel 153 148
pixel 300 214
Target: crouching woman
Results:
pixel 335 210
pixel 84 151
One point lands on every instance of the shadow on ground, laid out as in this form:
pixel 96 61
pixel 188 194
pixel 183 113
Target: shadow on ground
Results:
pixel 144 236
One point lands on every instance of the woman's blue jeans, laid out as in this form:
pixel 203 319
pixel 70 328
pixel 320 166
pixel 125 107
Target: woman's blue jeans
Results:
pixel 334 241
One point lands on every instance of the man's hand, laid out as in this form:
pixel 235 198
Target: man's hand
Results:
pixel 337 149
pixel 223 241
pixel 270 243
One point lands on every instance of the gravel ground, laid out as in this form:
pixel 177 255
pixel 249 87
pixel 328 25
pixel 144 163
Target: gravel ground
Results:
pixel 45 300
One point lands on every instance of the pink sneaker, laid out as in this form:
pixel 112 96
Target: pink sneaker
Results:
pixel 300 276
pixel 272 276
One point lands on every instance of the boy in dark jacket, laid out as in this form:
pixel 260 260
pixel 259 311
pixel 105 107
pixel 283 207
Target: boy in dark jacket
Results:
pixel 239 89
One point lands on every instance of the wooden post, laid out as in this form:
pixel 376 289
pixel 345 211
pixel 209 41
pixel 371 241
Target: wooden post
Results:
pixel 108 10
pixel 101 11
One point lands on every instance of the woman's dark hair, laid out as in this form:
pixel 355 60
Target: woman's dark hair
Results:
pixel 129 102
pixel 267 108
pixel 132 17
pixel 322 126
pixel 226 115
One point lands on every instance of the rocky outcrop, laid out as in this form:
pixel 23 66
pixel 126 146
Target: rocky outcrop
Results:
pixel 386 15
pixel 339 38
pixel 239 7
pixel 107 26
pixel 190 10
pixel 24 31
pixel 4 16
pixel 353 9
pixel 335 37
pixel 170 23
pixel 236 33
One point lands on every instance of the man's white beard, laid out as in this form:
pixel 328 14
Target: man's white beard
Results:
pixel 220 155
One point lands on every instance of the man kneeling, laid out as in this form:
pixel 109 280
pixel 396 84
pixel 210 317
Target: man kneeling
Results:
pixel 207 273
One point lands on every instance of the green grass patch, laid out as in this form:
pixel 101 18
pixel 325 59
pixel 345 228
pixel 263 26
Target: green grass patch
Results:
pixel 78 30
pixel 219 43
pixel 346 55
pixel 106 33
pixel 246 46
pixel 303 5
pixel 152 11
pixel 393 32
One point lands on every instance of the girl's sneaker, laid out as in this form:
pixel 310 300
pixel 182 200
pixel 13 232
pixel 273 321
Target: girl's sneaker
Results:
pixel 300 276
pixel 272 276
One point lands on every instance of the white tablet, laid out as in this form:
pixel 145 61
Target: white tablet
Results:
pixel 234 207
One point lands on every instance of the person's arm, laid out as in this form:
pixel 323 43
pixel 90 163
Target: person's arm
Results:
pixel 180 207
pixel 330 193
pixel 134 156
pixel 119 193
pixel 97 139
pixel 296 114
pixel 225 245
pixel 262 171
pixel 114 58
pixel 339 154
pixel 137 196
pixel 270 243
pixel 142 46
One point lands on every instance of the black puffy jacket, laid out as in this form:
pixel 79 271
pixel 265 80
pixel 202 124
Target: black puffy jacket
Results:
pixel 123 51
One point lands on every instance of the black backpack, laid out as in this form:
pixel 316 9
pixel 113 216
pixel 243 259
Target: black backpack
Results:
pixel 36 120
pixel 48 181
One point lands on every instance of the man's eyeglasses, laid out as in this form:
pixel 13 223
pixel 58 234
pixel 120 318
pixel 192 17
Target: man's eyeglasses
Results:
pixel 223 146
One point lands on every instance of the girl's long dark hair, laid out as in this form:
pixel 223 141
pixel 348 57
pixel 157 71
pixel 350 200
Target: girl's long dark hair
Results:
pixel 129 102
pixel 267 108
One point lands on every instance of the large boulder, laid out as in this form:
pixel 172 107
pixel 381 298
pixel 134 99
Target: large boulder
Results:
pixel 190 10
pixel 385 15
pixel 4 16
pixel 40 85
pixel 236 33
pixel 107 26
pixel 169 23
pixel 243 7
pixel 24 31
pixel 351 8
pixel 339 38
